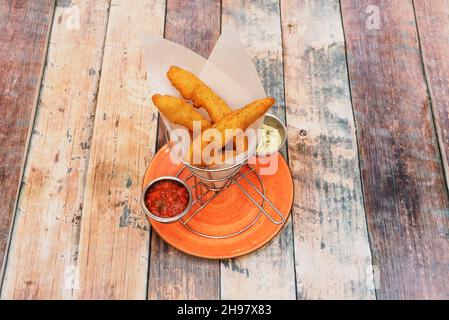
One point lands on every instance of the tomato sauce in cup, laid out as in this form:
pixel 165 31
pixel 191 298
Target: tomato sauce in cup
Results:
pixel 167 198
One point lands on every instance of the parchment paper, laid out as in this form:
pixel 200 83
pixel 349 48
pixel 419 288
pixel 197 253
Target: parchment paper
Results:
pixel 229 71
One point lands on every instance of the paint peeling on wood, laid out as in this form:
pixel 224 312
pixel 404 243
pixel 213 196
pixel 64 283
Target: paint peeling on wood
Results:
pixel 389 94
pixel 433 26
pixel 332 254
pixel 24 29
pixel 114 232
pixel 234 266
pixel 46 230
pixel 269 272
pixel 64 3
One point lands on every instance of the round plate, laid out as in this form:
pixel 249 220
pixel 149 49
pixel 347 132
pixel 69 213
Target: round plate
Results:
pixel 226 214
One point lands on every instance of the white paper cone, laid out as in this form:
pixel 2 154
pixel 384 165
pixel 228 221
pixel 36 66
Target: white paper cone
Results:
pixel 229 71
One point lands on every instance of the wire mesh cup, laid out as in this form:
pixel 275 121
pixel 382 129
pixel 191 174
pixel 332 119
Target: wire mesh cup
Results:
pixel 216 177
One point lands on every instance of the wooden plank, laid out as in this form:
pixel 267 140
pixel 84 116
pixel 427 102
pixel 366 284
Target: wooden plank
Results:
pixel 173 274
pixel 114 237
pixel 24 29
pixel 406 199
pixel 332 255
pixel 44 246
pixel 269 272
pixel 433 28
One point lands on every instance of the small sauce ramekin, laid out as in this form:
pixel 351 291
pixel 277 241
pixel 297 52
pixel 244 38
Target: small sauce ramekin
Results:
pixel 165 219
pixel 276 123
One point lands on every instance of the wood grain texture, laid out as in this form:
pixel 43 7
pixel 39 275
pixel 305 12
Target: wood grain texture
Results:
pixel 114 237
pixel 24 29
pixel 173 274
pixel 269 272
pixel 44 246
pixel 332 254
pixel 432 19
pixel 405 194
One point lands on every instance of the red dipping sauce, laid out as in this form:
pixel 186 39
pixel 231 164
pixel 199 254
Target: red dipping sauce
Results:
pixel 167 198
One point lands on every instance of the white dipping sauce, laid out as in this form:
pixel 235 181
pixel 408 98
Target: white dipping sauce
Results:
pixel 270 139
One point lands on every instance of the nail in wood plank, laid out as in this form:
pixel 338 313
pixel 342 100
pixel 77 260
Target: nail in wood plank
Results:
pixel 24 30
pixel 405 194
pixel 332 253
pixel 44 248
pixel 173 274
pixel 114 237
pixel 269 272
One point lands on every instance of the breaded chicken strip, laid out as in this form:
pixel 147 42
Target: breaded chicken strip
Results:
pixel 239 119
pixel 179 112
pixel 192 88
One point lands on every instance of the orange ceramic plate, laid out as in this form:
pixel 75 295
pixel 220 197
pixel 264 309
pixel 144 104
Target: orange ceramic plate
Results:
pixel 229 212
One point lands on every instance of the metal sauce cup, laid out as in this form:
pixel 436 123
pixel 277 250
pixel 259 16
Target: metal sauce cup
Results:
pixel 156 217
pixel 276 123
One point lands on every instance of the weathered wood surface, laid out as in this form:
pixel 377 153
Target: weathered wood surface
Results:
pixel 78 230
pixel 114 237
pixel 173 274
pixel 405 193
pixel 44 247
pixel 24 29
pixel 432 18
pixel 332 254
pixel 269 272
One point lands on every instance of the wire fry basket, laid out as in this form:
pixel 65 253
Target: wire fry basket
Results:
pixel 206 186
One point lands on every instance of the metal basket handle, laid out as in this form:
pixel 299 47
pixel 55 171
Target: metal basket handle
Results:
pixel 257 204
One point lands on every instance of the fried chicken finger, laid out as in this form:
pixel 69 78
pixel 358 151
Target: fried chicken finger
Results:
pixel 179 112
pixel 192 88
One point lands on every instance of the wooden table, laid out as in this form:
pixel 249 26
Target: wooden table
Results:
pixel 363 86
